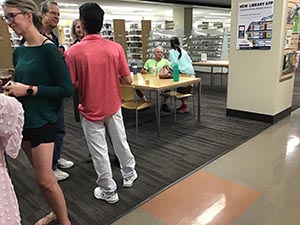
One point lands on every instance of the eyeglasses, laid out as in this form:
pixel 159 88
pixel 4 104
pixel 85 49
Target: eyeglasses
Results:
pixel 54 13
pixel 10 17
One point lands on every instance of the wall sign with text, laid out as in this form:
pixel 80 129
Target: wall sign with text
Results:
pixel 255 20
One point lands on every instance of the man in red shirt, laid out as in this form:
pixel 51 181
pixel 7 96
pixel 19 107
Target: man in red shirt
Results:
pixel 97 66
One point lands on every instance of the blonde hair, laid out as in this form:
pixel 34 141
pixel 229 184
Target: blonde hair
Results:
pixel 26 6
pixel 73 28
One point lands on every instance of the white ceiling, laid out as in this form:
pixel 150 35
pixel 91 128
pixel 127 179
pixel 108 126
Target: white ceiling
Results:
pixel 137 10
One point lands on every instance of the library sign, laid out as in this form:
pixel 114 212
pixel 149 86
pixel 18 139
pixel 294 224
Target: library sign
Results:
pixel 255 20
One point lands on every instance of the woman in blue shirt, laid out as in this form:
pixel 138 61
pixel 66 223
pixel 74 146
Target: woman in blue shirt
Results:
pixel 185 65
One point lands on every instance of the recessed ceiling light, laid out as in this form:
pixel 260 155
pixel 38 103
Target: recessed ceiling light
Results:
pixel 67 5
pixel 127 9
pixel 220 14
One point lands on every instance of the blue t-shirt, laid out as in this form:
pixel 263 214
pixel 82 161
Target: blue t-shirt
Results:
pixel 185 63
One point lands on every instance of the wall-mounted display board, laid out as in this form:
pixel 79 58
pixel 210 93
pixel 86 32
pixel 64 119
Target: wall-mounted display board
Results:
pixel 291 57
pixel 146 28
pixel 255 20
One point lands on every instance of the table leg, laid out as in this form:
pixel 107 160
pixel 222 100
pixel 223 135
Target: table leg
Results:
pixel 222 76
pixel 199 101
pixel 175 90
pixel 211 76
pixel 158 112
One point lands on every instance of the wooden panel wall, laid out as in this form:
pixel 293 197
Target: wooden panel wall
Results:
pixel 120 33
pixel 146 28
pixel 5 46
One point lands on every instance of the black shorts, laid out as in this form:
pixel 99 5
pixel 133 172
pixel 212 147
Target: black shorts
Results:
pixel 37 136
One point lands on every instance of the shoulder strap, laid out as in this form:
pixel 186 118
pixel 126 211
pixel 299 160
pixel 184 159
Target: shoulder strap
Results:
pixel 46 39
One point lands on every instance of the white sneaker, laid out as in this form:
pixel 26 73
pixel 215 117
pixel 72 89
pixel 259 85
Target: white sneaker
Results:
pixel 64 164
pixel 109 198
pixel 60 175
pixel 128 181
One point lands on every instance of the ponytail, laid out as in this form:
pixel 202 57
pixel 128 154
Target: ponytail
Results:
pixel 175 44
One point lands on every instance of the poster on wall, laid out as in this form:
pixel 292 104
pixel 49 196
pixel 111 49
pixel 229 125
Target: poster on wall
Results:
pixel 255 20
pixel 290 52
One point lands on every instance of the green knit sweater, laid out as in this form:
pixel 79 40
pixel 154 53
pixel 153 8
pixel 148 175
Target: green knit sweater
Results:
pixel 42 66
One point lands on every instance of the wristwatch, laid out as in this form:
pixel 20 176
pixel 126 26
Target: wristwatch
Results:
pixel 29 91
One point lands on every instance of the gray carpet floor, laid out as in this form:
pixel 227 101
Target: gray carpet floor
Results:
pixel 184 147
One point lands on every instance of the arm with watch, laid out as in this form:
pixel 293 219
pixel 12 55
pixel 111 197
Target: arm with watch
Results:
pixel 18 89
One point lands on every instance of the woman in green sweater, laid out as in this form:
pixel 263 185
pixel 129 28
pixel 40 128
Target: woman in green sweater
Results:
pixel 41 81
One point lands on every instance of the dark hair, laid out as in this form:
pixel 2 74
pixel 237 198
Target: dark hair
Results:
pixel 62 47
pixel 175 44
pixel 91 16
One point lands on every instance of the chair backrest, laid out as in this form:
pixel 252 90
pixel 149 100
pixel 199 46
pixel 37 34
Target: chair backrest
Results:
pixel 127 93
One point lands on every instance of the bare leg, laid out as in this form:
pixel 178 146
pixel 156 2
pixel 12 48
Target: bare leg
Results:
pixel 26 146
pixel 184 101
pixel 42 164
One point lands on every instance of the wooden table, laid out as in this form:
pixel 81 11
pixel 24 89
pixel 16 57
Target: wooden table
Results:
pixel 153 83
pixel 212 64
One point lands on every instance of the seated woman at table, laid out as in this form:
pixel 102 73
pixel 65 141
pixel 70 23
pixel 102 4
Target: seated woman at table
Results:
pixel 154 66
pixel 185 65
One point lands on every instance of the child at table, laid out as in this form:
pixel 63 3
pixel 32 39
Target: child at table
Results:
pixel 185 65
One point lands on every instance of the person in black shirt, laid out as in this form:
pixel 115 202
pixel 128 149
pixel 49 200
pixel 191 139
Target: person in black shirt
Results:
pixel 50 14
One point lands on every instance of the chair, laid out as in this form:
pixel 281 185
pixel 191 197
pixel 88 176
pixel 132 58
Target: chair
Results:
pixel 130 102
pixel 178 96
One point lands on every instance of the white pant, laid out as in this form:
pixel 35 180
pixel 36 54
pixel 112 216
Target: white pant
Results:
pixel 95 133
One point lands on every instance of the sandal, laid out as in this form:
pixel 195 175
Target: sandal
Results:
pixel 46 219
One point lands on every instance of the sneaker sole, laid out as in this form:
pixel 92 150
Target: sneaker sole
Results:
pixel 130 185
pixel 62 179
pixel 108 201
pixel 65 167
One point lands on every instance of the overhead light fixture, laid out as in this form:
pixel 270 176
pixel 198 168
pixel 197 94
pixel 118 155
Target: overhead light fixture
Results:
pixel 127 9
pixel 69 10
pixel 220 14
pixel 214 17
pixel 148 2
pixel 198 12
pixel 67 4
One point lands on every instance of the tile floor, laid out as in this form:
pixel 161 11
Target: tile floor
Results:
pixel 258 183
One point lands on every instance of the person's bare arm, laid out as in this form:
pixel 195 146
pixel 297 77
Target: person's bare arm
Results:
pixel 143 71
pixel 126 79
